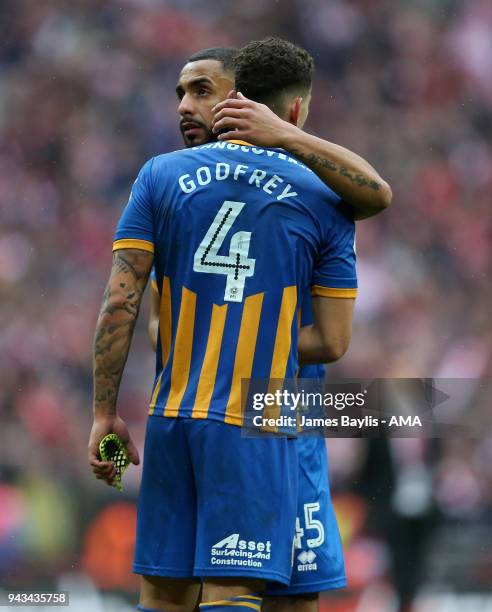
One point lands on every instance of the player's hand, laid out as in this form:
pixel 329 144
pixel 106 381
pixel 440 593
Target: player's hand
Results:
pixel 239 118
pixel 105 470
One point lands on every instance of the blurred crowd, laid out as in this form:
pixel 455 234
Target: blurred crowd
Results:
pixel 87 95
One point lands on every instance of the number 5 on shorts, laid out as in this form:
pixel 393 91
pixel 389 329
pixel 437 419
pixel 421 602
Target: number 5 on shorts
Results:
pixel 236 266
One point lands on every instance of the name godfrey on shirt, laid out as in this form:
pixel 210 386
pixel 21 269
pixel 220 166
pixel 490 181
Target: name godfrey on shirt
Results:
pixel 221 171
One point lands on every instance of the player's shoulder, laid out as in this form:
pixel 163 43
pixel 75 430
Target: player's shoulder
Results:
pixel 160 168
pixel 176 160
pixel 169 158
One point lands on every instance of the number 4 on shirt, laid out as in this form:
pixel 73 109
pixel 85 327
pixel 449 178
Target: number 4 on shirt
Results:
pixel 236 266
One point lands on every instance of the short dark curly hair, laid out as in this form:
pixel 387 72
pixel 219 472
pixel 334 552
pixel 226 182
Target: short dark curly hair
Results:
pixel 267 69
pixel 225 55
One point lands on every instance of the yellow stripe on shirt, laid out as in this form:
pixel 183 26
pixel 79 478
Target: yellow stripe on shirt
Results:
pixel 183 345
pixel 241 142
pixel 245 353
pixel 164 332
pixel 208 372
pixel 153 399
pixel 165 321
pixel 283 343
pixel 333 292
pixel 283 337
pixel 133 243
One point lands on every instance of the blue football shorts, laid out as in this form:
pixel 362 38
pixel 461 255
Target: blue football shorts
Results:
pixel 213 503
pixel 318 557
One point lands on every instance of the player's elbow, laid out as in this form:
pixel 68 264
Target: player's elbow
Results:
pixel 385 195
pixel 380 199
pixel 334 348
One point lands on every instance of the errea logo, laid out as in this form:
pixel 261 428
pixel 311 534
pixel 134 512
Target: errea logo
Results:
pixel 232 542
pixel 306 559
pixel 307 556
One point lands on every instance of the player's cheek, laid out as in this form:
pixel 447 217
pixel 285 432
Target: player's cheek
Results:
pixel 208 115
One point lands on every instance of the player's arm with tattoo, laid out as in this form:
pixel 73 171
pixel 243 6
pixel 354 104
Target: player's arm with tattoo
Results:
pixel 114 330
pixel 348 174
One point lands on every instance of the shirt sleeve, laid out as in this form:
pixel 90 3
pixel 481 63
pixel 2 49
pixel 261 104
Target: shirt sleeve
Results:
pixel 334 273
pixel 136 226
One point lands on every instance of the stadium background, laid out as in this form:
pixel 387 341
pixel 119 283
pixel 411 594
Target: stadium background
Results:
pixel 86 96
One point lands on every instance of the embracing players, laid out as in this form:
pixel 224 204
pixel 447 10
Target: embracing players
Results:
pixel 223 318
pixel 206 78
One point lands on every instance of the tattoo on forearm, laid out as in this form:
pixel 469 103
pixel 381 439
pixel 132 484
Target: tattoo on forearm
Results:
pixel 119 311
pixel 313 160
pixel 359 179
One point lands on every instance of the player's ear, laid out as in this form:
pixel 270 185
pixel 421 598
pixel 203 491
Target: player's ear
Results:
pixel 295 111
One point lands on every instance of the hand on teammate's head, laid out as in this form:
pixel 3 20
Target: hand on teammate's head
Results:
pixel 240 118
